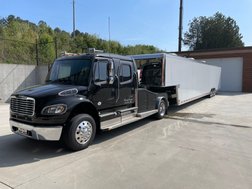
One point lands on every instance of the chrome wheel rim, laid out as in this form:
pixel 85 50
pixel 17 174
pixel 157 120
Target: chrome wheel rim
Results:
pixel 83 132
pixel 162 109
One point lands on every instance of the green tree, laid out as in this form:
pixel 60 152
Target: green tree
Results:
pixel 19 37
pixel 217 31
pixel 140 49
pixel 46 48
pixel 63 40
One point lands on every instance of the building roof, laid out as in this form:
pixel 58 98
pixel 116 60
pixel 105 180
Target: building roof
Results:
pixel 220 51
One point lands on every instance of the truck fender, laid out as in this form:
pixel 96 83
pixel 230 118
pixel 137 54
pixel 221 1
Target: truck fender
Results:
pixel 86 107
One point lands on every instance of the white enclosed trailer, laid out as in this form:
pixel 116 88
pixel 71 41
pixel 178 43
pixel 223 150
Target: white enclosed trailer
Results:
pixel 184 79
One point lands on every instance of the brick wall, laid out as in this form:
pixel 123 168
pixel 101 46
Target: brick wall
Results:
pixel 247 73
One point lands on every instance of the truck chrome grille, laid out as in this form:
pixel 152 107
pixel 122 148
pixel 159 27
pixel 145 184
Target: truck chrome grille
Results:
pixel 22 105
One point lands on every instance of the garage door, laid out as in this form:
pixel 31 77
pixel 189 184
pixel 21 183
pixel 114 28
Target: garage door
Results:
pixel 231 73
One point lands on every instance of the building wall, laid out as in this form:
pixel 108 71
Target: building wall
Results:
pixel 245 53
pixel 14 77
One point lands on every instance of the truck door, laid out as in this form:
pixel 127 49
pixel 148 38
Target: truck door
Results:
pixel 104 95
pixel 126 79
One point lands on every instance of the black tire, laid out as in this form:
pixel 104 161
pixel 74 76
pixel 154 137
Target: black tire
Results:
pixel 79 133
pixel 161 109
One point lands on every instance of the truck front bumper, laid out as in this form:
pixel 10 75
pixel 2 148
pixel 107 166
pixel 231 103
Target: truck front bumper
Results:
pixel 51 133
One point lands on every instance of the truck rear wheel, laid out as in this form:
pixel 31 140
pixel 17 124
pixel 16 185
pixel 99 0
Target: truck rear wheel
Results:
pixel 80 132
pixel 161 109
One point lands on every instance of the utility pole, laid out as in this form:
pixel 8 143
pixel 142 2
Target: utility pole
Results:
pixel 37 51
pixel 180 25
pixel 109 32
pixel 56 47
pixel 74 18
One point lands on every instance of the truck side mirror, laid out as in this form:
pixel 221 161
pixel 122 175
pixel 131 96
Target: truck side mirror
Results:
pixel 110 72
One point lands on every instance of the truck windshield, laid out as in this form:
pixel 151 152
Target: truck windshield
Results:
pixel 73 72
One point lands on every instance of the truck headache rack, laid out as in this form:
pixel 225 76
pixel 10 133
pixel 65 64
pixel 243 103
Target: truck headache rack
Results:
pixel 89 51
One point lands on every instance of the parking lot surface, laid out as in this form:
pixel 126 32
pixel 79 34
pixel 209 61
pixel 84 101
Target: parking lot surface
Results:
pixel 204 144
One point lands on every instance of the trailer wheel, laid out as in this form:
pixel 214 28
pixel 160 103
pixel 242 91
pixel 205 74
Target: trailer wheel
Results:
pixel 161 109
pixel 212 93
pixel 80 132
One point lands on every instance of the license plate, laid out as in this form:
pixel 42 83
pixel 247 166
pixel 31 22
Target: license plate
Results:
pixel 22 131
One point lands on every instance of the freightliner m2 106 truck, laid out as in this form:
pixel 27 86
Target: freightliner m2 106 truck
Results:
pixel 87 93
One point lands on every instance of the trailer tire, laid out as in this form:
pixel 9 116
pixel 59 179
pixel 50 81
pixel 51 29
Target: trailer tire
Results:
pixel 212 93
pixel 80 132
pixel 161 109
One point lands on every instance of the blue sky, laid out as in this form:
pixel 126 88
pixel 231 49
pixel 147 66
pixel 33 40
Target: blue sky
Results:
pixel 153 22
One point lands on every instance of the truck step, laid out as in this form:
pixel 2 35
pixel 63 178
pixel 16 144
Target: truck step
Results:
pixel 125 119
pixel 123 111
pixel 112 124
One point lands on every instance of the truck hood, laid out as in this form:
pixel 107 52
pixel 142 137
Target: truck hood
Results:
pixel 49 90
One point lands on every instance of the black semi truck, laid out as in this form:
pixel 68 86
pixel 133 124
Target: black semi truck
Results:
pixel 82 95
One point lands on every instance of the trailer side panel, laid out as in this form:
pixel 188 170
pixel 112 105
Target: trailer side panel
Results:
pixel 193 79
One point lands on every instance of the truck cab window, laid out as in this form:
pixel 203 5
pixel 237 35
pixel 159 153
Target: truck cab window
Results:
pixel 125 73
pixel 101 71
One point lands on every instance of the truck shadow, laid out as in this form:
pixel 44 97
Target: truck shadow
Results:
pixel 16 150
pixel 107 135
pixel 174 109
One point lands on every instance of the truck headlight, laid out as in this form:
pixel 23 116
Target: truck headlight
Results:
pixel 54 109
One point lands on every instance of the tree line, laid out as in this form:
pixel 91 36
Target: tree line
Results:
pixel 22 41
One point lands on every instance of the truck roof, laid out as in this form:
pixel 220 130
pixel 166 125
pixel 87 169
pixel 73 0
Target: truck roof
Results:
pixel 93 55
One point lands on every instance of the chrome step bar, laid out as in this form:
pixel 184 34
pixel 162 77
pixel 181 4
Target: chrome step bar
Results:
pixel 125 119
pixel 117 112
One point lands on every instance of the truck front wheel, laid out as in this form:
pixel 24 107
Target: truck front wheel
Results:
pixel 80 132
